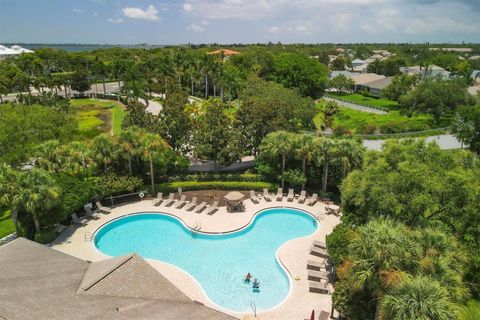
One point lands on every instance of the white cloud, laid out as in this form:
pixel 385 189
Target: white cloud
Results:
pixel 368 28
pixel 196 28
pixel 138 13
pixel 95 14
pixel 76 10
pixel 117 20
pixel 187 7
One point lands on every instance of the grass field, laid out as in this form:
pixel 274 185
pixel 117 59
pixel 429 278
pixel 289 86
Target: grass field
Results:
pixel 97 116
pixel 358 122
pixel 367 101
pixel 6 223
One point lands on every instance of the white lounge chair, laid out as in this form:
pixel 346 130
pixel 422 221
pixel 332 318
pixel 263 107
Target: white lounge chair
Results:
pixel 317 265
pixel 78 220
pixel 180 202
pixel 191 205
pixel 158 199
pixel 320 287
pixel 311 201
pixel 102 208
pixel 92 214
pixel 254 197
pixel 211 210
pixel 266 195
pixel 200 207
pixel 302 197
pixel 170 200
pixel 320 244
pixel 320 252
pixel 290 195
pixel 279 196
pixel 318 275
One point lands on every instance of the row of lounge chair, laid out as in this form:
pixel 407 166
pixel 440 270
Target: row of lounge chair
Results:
pixel 290 196
pixel 90 213
pixel 318 273
pixel 182 203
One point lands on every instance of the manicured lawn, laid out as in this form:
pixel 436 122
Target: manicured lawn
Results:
pixel 359 122
pixel 368 101
pixel 97 116
pixel 6 223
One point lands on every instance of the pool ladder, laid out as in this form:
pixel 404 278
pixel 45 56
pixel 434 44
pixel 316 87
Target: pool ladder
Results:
pixel 197 227
pixel 88 236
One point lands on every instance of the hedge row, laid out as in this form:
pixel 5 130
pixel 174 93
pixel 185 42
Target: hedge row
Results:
pixel 247 177
pixel 215 185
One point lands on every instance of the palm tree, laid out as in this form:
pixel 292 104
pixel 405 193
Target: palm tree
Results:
pixel 323 154
pixel 48 156
pixel 419 297
pixel 278 144
pixel 349 153
pixel 304 148
pixel 153 147
pixel 129 145
pixel 380 253
pixel 76 157
pixel 103 151
pixel 37 193
pixel 8 188
pixel 206 67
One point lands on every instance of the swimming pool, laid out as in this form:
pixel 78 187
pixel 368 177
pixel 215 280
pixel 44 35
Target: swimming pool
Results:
pixel 217 262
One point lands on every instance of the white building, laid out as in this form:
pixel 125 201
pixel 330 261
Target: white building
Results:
pixel 6 52
pixel 429 72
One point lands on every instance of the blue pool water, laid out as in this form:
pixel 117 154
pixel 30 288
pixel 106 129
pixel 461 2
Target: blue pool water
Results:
pixel 217 262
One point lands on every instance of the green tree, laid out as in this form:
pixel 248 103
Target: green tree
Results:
pixel 304 147
pixel 80 81
pixel 129 144
pixel 324 148
pixel 339 63
pixel 341 83
pixel 278 144
pixel 153 149
pixel 103 151
pixel 419 298
pixel 466 127
pixel 214 136
pixel 400 85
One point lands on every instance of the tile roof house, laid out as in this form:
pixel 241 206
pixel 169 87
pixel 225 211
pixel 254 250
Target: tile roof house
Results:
pixel 431 72
pixel 376 86
pixel 38 282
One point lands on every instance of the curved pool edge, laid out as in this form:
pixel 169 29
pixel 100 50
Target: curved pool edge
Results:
pixel 236 230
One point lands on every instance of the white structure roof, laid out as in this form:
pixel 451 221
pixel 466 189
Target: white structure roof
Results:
pixel 21 49
pixel 7 51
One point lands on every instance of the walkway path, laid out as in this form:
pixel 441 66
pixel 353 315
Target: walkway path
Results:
pixel 356 106
pixel 444 141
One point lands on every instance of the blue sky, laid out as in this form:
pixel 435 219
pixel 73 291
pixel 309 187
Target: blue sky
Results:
pixel 247 21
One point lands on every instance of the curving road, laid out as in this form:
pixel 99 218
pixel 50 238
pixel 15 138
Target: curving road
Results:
pixel 355 106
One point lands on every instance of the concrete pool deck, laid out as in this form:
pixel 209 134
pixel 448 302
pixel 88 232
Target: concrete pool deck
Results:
pixel 76 241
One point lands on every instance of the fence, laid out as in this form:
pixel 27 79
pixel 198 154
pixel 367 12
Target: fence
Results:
pixel 114 201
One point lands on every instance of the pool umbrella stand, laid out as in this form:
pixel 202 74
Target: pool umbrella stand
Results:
pixel 234 201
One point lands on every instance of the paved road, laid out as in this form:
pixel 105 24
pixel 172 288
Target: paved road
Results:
pixel 356 106
pixel 444 141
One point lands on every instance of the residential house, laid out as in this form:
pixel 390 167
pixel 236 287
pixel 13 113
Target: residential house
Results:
pixel 38 282
pixel 428 72
pixel 376 87
pixel 363 79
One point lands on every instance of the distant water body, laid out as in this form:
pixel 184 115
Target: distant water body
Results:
pixel 81 47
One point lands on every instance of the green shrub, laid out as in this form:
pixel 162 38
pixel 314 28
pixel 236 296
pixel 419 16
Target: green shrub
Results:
pixel 366 128
pixel 294 177
pixel 75 194
pixel 392 127
pixel 214 185
pixel 112 184
pixel 340 130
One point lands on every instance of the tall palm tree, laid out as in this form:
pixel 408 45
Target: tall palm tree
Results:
pixel 380 253
pixel 304 148
pixel 279 143
pixel 9 179
pixel 153 148
pixel 419 297
pixel 129 143
pixel 349 153
pixel 37 193
pixel 76 157
pixel 103 151
pixel 323 154
pixel 48 157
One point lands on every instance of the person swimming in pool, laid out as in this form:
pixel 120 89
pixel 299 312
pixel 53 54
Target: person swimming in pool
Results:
pixel 248 277
pixel 256 284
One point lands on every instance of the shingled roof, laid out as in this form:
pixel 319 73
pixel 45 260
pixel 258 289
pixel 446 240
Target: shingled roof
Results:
pixel 38 282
